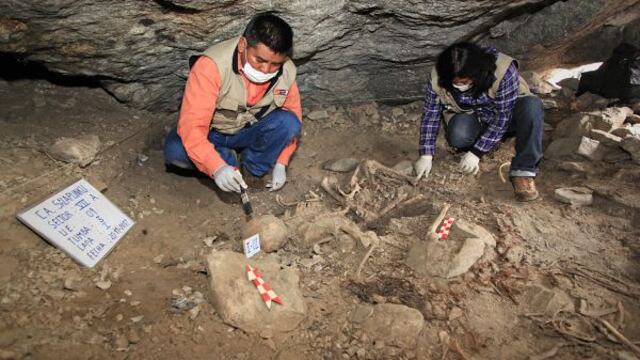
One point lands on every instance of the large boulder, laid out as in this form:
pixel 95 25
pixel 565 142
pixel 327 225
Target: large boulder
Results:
pixel 466 244
pixel 393 324
pixel 576 125
pixel 347 51
pixel 273 232
pixel 81 150
pixel 631 144
pixel 238 302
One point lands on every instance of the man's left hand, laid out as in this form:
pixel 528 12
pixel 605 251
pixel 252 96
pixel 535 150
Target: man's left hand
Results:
pixel 278 177
pixel 470 163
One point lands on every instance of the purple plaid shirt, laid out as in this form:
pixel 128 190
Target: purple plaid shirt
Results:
pixel 495 114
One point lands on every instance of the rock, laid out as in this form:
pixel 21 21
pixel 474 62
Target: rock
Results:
pixel 574 126
pixel 611 118
pixel 631 144
pixel 576 196
pixel 562 147
pixel 572 166
pixel 395 325
pixel 208 241
pixel 72 283
pixel 366 112
pixel 471 251
pixel 404 167
pixel 468 229
pixel 515 254
pixel 141 56
pixel 605 138
pixel 142 158
pixel 360 313
pixel 633 119
pixel 397 112
pixel 615 154
pixel 591 149
pixel 570 83
pixel 621 132
pixel 318 115
pixel 542 300
pixel 185 300
pixel 625 131
pixel 103 284
pixel 56 294
pixel 341 165
pixel 121 343
pixel 589 101
pixel 81 150
pixel 567 94
pixel 453 257
pixel 273 232
pixel 636 107
pixel 133 336
pixel 455 313
pixel 238 303
pixel 536 83
pixel 548 104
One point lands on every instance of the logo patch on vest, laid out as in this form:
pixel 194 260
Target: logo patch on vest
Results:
pixel 280 92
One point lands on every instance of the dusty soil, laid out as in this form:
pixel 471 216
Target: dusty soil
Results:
pixel 588 253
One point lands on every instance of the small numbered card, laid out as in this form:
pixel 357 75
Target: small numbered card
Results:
pixel 251 245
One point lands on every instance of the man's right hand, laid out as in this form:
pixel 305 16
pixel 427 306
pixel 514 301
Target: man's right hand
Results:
pixel 229 179
pixel 423 166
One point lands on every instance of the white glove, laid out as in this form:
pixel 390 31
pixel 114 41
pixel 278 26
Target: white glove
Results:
pixel 423 166
pixel 469 163
pixel 278 177
pixel 229 179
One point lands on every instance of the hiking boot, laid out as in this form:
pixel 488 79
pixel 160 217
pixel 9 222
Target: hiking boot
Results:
pixel 524 188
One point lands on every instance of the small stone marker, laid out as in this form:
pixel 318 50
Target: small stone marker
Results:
pixel 80 221
pixel 251 245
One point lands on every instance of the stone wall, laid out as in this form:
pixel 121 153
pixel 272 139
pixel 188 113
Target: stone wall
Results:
pixel 347 51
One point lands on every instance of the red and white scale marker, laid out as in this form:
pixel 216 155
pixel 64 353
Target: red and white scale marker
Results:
pixel 445 228
pixel 267 294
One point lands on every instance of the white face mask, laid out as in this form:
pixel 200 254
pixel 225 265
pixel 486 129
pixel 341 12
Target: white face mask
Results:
pixel 463 88
pixel 256 76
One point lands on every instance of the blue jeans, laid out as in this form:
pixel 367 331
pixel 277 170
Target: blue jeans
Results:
pixel 259 145
pixel 464 130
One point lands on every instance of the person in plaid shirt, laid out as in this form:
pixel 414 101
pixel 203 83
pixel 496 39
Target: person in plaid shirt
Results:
pixel 482 99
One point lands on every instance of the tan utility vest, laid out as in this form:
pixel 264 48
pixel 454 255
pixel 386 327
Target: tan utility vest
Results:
pixel 502 65
pixel 231 112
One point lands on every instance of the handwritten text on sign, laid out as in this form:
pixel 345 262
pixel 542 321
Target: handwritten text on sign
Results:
pixel 80 221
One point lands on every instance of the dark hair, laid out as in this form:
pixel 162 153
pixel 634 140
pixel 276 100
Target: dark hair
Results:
pixel 270 30
pixel 469 61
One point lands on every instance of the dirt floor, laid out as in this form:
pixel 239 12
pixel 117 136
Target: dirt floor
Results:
pixel 51 308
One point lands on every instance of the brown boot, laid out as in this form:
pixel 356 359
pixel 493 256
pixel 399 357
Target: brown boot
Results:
pixel 524 188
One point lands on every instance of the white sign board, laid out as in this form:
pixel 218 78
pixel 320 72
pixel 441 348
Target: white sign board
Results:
pixel 80 221
pixel 251 245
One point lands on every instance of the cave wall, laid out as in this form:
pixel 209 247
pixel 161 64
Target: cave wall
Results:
pixel 347 51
